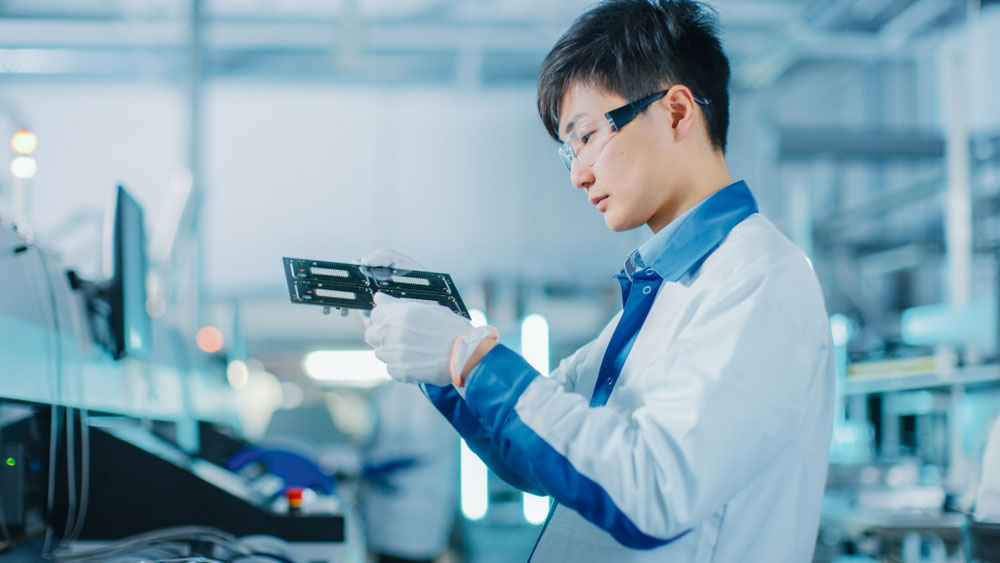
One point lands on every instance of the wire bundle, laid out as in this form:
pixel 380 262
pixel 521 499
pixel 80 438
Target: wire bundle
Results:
pixel 200 544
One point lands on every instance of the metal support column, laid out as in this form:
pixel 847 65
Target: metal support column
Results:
pixel 958 228
pixel 191 314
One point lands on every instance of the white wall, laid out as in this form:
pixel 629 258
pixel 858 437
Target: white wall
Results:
pixel 466 181
pixel 92 136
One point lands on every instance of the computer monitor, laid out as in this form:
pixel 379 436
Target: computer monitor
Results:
pixel 125 289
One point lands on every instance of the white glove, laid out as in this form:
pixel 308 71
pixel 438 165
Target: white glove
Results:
pixel 415 339
pixel 388 258
pixel 392 259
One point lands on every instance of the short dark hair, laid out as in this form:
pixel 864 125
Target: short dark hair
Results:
pixel 637 47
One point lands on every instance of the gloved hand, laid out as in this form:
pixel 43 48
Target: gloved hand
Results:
pixel 392 259
pixel 415 339
pixel 386 257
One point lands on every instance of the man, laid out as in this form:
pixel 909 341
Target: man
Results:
pixel 696 426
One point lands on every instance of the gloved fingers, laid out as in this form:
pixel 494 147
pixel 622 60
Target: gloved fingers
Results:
pixel 385 308
pixel 409 373
pixel 387 257
pixel 409 312
pixel 390 352
pixel 427 313
pixel 373 335
pixel 366 318
pixel 401 336
pixel 391 355
pixel 382 298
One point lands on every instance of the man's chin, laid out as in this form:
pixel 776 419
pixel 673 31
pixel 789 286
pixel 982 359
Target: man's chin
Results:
pixel 616 225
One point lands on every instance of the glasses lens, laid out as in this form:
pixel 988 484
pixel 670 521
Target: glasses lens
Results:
pixel 586 143
pixel 590 142
pixel 566 155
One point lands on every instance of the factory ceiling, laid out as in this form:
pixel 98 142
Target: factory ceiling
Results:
pixel 477 43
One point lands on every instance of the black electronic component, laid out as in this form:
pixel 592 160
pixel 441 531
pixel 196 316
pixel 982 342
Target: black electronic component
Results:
pixel 351 286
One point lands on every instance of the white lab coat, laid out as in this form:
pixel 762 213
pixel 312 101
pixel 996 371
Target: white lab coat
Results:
pixel 714 443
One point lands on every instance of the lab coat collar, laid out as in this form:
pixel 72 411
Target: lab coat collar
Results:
pixel 694 235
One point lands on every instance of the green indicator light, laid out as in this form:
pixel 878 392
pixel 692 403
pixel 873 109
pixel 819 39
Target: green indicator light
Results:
pixel 10 461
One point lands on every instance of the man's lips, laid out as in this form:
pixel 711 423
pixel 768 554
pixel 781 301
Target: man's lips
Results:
pixel 601 201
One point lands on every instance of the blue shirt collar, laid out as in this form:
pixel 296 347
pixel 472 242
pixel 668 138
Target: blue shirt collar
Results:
pixel 655 246
pixel 689 239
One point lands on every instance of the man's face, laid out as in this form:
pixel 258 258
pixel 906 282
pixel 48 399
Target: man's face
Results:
pixel 630 180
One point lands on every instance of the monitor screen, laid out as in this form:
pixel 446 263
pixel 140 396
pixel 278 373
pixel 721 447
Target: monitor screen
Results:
pixel 130 323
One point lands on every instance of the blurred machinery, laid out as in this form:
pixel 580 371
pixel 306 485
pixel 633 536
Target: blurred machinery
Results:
pixel 919 378
pixel 112 425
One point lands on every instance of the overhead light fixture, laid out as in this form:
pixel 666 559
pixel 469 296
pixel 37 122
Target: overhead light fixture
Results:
pixel 348 368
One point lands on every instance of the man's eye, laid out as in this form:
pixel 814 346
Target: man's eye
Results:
pixel 585 138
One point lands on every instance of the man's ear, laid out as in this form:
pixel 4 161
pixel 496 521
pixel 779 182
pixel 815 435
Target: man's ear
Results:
pixel 680 105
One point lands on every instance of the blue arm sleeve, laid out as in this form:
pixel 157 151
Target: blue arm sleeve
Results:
pixel 453 407
pixel 495 385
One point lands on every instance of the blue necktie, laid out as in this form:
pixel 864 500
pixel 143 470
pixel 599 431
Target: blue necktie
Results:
pixel 637 298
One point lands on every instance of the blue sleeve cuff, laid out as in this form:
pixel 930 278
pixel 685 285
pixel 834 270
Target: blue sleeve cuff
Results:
pixel 496 383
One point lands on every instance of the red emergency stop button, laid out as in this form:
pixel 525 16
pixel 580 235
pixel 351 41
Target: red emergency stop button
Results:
pixel 294 495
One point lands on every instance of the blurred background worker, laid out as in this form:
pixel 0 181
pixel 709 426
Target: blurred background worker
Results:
pixel 409 496
pixel 722 346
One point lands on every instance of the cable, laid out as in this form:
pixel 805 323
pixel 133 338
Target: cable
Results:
pixel 144 540
pixel 134 547
pixel 70 471
pixel 274 556
pixel 84 474
pixel 191 559
pixel 70 421
pixel 3 517
pixel 77 516
pixel 53 438
pixel 74 514
pixel 149 554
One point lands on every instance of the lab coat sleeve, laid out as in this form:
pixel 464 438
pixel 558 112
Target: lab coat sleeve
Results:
pixel 450 403
pixel 725 396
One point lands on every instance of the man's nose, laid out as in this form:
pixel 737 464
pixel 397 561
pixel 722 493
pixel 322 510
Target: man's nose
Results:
pixel 580 174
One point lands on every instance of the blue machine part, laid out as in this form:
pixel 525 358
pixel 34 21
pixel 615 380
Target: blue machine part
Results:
pixel 296 470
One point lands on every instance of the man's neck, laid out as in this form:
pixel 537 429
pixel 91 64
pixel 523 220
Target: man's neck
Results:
pixel 711 175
